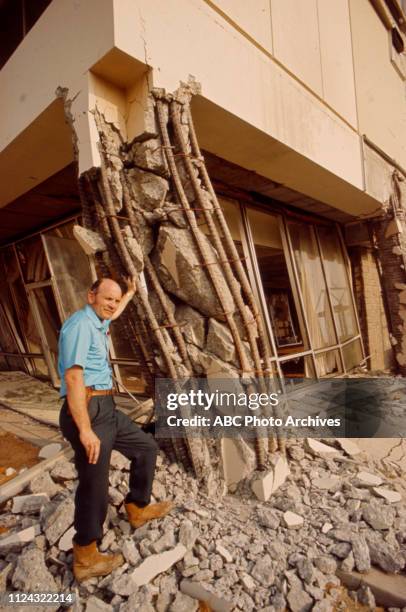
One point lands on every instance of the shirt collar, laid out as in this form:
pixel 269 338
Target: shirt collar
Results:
pixel 95 319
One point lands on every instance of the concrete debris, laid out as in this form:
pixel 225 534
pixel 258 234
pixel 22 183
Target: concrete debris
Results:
pixel 365 479
pixel 318 449
pixel 94 604
pixel 64 470
pixel 149 189
pixel 220 341
pixel 44 484
pixel 184 603
pixel 50 450
pixel 391 496
pixel 197 591
pixel 66 541
pixel 377 515
pixel 187 534
pixel 118 461
pixel 19 538
pixel 10 471
pixel 236 552
pixel 262 486
pixel 348 446
pixel 292 520
pixel 177 263
pixel 280 473
pixel 59 520
pixel 193 325
pixel 224 553
pixel 91 242
pixel 31 573
pixel 366 597
pixel 29 504
pixel 156 564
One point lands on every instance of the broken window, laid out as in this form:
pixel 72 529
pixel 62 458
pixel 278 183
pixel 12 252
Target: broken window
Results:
pixel 312 285
pixel 276 283
pixel 338 284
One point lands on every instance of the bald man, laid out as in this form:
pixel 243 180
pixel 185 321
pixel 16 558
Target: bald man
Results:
pixel 94 427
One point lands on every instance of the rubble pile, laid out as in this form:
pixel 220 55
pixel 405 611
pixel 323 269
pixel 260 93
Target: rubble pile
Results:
pixel 325 515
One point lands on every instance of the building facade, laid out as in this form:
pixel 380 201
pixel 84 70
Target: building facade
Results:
pixel 302 121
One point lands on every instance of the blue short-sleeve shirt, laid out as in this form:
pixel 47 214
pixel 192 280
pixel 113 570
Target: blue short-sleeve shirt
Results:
pixel 84 342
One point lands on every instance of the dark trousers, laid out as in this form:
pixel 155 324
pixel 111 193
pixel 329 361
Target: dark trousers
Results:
pixel 115 431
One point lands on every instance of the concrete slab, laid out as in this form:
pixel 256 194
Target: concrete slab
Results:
pixel 389 589
pixel 30 396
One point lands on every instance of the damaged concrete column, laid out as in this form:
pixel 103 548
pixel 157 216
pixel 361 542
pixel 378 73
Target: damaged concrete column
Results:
pixel 195 313
pixel 390 234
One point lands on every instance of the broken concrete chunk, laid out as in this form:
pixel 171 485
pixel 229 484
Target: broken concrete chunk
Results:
pixel 262 486
pixel 149 189
pixel 187 534
pixel 280 473
pixel 156 564
pixel 178 265
pixel 292 520
pixel 118 461
pixel 391 496
pixel 94 604
pixel 332 483
pixel 267 517
pixel 184 603
pixel 318 449
pixel 192 325
pixel 326 527
pixel 224 553
pixel 263 571
pixel 164 542
pixel 378 515
pixel 384 554
pixel 361 554
pixel 197 591
pixel 66 541
pixel 29 504
pixel 64 470
pixel 50 450
pixel 299 600
pixel 149 155
pixel 91 242
pixel 365 479
pixel 15 540
pixel 326 564
pixel 220 341
pixel 44 484
pixel 31 573
pixel 10 471
pixel 59 520
pixel 349 447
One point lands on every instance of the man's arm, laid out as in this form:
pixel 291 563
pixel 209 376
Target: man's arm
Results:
pixel 127 297
pixel 76 396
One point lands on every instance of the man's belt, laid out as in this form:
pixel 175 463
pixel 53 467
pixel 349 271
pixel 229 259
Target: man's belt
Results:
pixel 96 392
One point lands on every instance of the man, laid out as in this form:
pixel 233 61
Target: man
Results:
pixel 93 426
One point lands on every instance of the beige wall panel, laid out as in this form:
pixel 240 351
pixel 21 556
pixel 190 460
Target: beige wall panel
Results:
pixel 253 17
pixel 336 58
pixel 296 39
pixel 67 39
pixel 380 90
pixel 246 82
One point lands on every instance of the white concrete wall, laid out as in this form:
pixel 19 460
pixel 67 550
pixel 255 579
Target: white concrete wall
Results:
pixel 285 100
pixel 238 77
pixel 381 92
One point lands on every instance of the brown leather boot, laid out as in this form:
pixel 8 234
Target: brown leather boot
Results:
pixel 89 562
pixel 139 516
